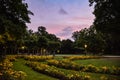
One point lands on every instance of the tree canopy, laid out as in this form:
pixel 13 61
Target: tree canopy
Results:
pixel 90 37
pixel 107 15
pixel 14 15
pixel 107 20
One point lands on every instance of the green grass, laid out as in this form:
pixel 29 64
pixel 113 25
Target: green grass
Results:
pixel 100 62
pixel 96 62
pixel 31 75
pixel 94 76
pixel 58 57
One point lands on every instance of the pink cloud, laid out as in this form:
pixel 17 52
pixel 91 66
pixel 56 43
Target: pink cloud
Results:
pixel 61 29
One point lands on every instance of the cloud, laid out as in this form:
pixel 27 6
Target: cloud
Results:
pixel 66 32
pixel 63 11
pixel 68 29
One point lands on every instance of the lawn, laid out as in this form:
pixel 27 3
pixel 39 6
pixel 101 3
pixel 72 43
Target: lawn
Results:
pixel 109 62
pixel 40 68
pixel 19 65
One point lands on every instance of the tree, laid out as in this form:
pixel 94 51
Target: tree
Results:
pixel 80 37
pixel 42 31
pixel 67 46
pixel 96 43
pixel 53 46
pixel 42 43
pixel 107 20
pixel 13 16
pixel 52 37
pixel 30 41
pixel 107 13
pixel 90 37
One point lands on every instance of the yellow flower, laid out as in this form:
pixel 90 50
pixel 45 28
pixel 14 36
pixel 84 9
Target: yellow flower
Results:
pixel 87 76
pixel 103 78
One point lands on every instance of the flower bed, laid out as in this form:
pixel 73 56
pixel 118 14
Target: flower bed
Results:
pixel 6 72
pixel 81 57
pixel 54 72
pixel 67 64
pixel 37 58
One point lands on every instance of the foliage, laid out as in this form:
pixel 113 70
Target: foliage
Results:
pixel 81 57
pixel 67 64
pixel 13 19
pixel 107 21
pixel 67 46
pixel 14 15
pixel 67 69
pixel 90 37
pixel 107 15
pixel 6 71
pixel 40 42
pixel 53 71
pixel 37 58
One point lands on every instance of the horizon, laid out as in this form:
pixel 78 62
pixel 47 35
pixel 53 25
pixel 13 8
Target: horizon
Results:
pixel 60 17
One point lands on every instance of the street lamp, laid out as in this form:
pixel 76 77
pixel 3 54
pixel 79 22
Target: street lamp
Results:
pixel 85 48
pixel 23 47
pixel 58 51
pixel 44 51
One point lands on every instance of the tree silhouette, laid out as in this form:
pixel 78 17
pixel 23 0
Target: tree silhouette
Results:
pixel 13 16
pixel 107 20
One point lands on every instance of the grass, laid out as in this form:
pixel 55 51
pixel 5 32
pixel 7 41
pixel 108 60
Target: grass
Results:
pixel 100 62
pixel 94 76
pixel 31 75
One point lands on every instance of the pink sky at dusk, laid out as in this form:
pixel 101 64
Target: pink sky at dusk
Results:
pixel 60 17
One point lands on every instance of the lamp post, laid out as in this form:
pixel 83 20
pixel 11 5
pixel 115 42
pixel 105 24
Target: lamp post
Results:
pixel 23 48
pixel 85 48
pixel 58 51
pixel 44 51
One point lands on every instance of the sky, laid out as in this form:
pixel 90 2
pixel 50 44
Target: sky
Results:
pixel 60 17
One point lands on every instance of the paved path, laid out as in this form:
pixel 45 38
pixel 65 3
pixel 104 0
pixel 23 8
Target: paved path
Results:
pixel 107 56
pixel 112 56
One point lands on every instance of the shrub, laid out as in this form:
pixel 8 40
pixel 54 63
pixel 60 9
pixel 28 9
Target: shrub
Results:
pixel 6 72
pixel 105 69
pixel 81 57
pixel 91 68
pixel 67 64
pixel 37 58
pixel 54 72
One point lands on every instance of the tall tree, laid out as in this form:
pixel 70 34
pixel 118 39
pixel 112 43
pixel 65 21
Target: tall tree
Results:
pixel 53 47
pixel 107 15
pixel 30 41
pixel 107 20
pixel 42 31
pixel 90 37
pixel 81 37
pixel 13 16
pixel 66 46
pixel 42 44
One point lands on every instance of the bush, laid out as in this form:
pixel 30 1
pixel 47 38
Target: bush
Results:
pixel 54 72
pixel 37 58
pixel 67 64
pixel 6 72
